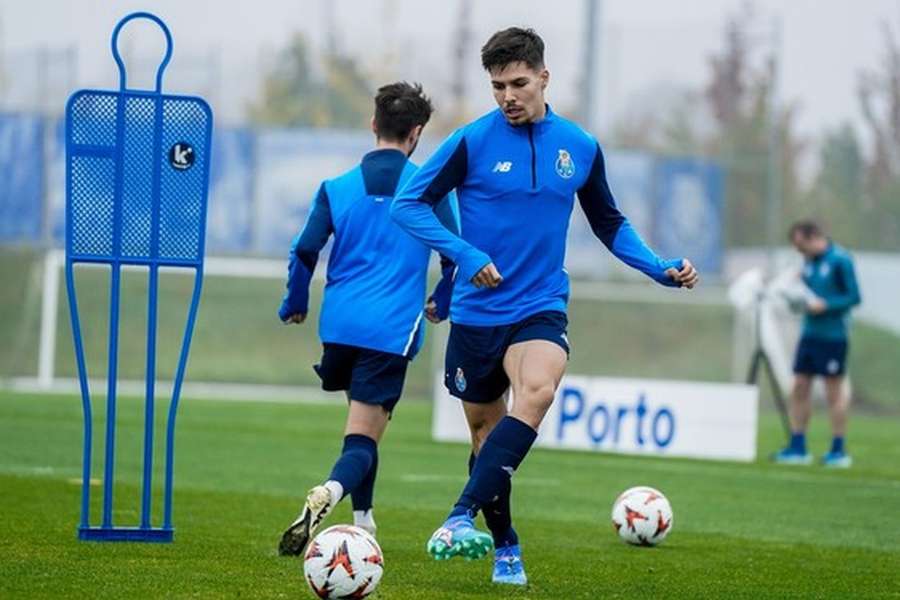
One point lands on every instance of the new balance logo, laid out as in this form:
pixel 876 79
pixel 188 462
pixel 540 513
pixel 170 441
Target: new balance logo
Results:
pixel 503 166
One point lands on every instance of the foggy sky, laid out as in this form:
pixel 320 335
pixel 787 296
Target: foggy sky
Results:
pixel 645 44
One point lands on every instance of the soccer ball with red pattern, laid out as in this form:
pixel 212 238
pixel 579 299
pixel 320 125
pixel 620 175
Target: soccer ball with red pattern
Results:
pixel 343 562
pixel 642 516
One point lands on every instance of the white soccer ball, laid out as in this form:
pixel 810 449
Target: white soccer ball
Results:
pixel 343 562
pixel 642 516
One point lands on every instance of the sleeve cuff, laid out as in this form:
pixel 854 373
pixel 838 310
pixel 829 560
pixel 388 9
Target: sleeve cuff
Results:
pixel 470 261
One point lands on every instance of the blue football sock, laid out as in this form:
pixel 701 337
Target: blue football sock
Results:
pixel 499 457
pixel 355 462
pixel 837 444
pixel 798 442
pixel 498 516
pixel 362 495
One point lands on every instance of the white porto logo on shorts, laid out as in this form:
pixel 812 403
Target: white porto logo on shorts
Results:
pixel 833 366
pixel 503 166
pixel 460 380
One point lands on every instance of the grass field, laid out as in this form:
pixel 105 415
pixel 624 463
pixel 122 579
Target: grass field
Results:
pixel 741 530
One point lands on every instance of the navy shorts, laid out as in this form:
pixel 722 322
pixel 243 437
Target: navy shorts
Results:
pixel 473 368
pixel 821 357
pixel 371 376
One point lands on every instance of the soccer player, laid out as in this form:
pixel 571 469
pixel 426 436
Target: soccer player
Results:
pixel 371 319
pixel 516 171
pixel 828 273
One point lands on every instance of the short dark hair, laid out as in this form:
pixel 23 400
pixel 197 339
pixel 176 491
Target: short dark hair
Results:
pixel 808 228
pixel 513 45
pixel 400 107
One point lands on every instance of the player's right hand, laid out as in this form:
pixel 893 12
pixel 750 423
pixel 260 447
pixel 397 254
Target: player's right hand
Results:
pixel 295 318
pixel 488 277
pixel 431 312
pixel 686 276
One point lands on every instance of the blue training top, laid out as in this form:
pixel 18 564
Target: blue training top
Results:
pixel 831 277
pixel 375 284
pixel 516 188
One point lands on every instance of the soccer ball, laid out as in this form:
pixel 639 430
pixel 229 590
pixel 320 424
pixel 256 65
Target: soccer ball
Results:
pixel 642 516
pixel 343 562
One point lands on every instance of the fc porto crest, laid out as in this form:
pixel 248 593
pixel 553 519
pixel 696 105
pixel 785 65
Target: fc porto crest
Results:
pixel 460 380
pixel 565 166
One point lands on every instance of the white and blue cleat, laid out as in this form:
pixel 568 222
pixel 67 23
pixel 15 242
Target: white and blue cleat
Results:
pixel 458 537
pixel 790 456
pixel 508 567
pixel 837 460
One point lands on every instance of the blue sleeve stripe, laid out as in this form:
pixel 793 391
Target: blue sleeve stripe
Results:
pixel 613 228
pixel 444 212
pixel 413 206
pixel 598 204
pixel 450 175
pixel 315 234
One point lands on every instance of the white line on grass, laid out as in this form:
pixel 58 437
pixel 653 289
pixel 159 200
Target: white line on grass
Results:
pixel 229 392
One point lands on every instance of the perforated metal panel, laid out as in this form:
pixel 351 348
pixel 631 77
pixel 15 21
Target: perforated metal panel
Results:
pixel 183 192
pixel 91 199
pixel 128 200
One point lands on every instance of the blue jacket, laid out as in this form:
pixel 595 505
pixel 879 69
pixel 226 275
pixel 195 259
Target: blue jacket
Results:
pixel 831 277
pixel 375 284
pixel 516 187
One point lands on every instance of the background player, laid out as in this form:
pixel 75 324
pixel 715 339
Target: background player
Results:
pixel 516 171
pixel 371 321
pixel 822 351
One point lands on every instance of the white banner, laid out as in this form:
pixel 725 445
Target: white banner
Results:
pixel 634 416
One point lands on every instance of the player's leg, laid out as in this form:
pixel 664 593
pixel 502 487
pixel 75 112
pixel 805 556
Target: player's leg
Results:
pixel 801 403
pixel 362 497
pixel 365 425
pixel 530 383
pixel 375 384
pixel 534 368
pixel 378 379
pixel 474 374
pixel 838 407
pixel 800 410
pixel 806 365
pixel 482 418
pixel 508 567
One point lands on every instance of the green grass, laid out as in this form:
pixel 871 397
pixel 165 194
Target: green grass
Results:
pixel 741 530
pixel 239 339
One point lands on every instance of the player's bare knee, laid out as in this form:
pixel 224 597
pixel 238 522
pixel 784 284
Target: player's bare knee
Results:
pixel 532 401
pixel 535 393
pixel 802 386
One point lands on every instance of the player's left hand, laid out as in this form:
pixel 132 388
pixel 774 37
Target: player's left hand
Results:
pixel 295 318
pixel 431 312
pixel 687 276
pixel 816 306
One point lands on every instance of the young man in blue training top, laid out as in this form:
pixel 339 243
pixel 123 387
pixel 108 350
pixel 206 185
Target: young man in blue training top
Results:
pixel 516 171
pixel 828 273
pixel 371 320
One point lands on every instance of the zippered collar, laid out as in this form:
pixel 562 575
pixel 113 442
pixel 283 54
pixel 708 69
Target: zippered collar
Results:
pixel 537 127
